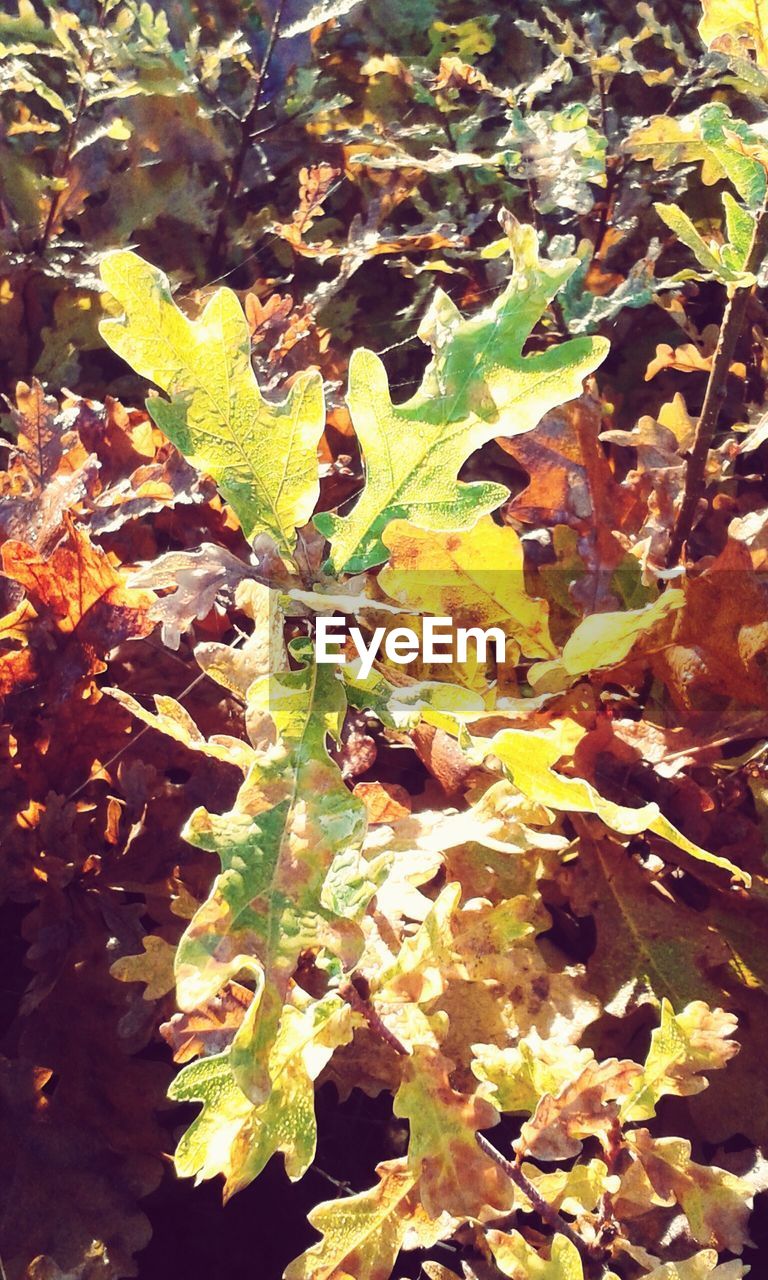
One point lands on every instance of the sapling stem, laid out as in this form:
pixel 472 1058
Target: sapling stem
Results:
pixel 730 329
pixel 542 1207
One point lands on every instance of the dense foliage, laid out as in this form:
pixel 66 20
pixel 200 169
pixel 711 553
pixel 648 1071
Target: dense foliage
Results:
pixel 441 309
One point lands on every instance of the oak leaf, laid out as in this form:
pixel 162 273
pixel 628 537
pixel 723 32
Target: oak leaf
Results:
pixel 648 944
pixel 586 1106
pixel 520 1261
pixel 455 1175
pixel 236 1137
pixel 683 1046
pixel 263 455
pixel 604 640
pixel 154 967
pixel 530 757
pixel 479 385
pixel 292 816
pixel 716 1203
pixel 83 598
pixel 716 642
pixel 727 24
pixel 475 577
pixel 521 1074
pixel 702 1266
pixel 363 1234
pixel 173 720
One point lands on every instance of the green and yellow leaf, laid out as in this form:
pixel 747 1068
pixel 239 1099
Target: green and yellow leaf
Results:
pixel 478 385
pixel 520 1261
pixel 362 1234
pixel 292 816
pixel 262 454
pixel 455 1175
pixel 530 758
pixel 235 1137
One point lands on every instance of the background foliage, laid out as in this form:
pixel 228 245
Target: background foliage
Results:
pixel 314 934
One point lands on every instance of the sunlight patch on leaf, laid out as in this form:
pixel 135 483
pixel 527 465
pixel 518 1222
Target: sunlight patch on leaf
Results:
pixel 262 454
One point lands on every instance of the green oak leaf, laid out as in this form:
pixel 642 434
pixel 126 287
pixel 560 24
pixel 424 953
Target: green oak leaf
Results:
pixel 520 1075
pixel 722 133
pixel 455 1175
pixel 278 846
pixel 683 1047
pixel 726 262
pixel 362 1234
pixel 262 454
pixel 740 228
pixel 725 146
pixel 478 385
pixel 235 1137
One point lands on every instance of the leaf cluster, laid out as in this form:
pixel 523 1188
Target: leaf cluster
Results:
pixel 385 312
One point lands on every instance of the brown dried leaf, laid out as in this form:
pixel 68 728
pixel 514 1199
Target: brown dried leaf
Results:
pixel 82 598
pixel 585 1107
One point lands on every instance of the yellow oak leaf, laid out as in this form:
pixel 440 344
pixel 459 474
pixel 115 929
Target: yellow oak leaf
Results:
pixel 518 1076
pixel 235 1137
pixel 474 576
pixel 606 639
pixel 729 25
pixel 702 1266
pixel 520 1261
pixel 716 1203
pixel 362 1234
pixel 683 1046
pixel 455 1175
pixel 531 756
pixel 154 967
pixel 262 454
pixel 170 718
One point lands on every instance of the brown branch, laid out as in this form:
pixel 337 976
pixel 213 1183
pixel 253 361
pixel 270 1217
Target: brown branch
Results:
pixel 448 134
pixel 246 136
pixel 542 1207
pixel 349 992
pixel 714 395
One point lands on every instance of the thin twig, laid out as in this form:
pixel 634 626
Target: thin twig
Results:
pixel 541 1206
pixel 135 737
pixel 246 135
pixel 714 395
pixel 343 1188
pixel 348 991
pixel 748 727
pixel 448 132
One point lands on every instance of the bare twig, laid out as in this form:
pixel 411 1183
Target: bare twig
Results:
pixel 134 738
pixel 714 395
pixel 541 1206
pixel 246 137
pixel 343 1188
